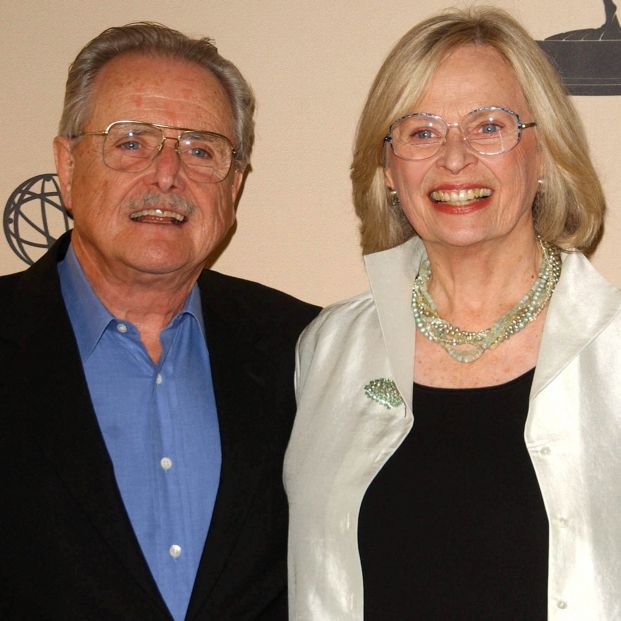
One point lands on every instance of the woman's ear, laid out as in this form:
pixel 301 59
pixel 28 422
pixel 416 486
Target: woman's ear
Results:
pixel 388 181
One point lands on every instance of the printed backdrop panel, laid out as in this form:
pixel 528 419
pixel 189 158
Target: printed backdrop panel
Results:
pixel 311 64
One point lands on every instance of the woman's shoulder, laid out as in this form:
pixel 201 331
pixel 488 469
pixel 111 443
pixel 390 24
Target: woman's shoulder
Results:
pixel 342 315
pixel 584 286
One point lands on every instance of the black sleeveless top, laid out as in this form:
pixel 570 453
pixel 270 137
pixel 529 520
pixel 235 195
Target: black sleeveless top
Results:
pixel 453 527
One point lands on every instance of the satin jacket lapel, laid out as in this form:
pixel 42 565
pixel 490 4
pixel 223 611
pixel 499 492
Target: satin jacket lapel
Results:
pixel 572 323
pixel 51 398
pixel 391 274
pixel 237 369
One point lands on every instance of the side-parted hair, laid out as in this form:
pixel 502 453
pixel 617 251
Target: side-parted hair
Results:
pixel 569 207
pixel 158 40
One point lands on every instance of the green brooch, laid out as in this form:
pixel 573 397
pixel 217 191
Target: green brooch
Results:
pixel 384 391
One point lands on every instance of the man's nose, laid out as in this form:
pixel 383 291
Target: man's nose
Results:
pixel 168 164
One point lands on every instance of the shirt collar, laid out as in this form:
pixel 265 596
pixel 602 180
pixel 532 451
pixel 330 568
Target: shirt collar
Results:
pixel 89 317
pixel 194 308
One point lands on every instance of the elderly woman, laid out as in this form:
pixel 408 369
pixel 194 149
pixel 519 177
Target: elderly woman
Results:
pixel 457 449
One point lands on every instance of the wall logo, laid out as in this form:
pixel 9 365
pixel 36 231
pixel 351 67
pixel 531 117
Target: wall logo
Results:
pixel 589 60
pixel 34 217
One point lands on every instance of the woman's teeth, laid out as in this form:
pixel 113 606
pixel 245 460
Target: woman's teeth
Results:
pixel 459 197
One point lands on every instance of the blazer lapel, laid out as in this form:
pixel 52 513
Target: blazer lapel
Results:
pixel 58 412
pixel 238 373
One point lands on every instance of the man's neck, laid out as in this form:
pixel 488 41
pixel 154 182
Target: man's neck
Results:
pixel 148 301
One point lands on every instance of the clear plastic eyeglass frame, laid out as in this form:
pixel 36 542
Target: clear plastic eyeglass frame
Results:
pixel 489 130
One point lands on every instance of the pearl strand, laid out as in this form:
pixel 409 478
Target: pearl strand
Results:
pixel 465 346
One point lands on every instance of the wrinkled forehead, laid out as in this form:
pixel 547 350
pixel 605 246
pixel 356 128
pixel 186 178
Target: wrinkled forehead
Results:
pixel 159 89
pixel 468 77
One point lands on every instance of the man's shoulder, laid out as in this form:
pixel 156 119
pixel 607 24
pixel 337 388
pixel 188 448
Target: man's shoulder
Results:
pixel 17 289
pixel 253 300
pixel 33 284
pixel 43 271
pixel 8 282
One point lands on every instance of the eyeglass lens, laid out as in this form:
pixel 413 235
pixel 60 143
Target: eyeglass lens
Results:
pixel 131 147
pixel 489 132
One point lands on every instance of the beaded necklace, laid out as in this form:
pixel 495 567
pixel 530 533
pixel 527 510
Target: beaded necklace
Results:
pixel 465 346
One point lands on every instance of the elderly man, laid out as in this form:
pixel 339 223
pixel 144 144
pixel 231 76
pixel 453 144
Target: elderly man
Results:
pixel 146 403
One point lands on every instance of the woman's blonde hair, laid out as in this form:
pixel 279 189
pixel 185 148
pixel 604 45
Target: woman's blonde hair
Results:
pixel 569 207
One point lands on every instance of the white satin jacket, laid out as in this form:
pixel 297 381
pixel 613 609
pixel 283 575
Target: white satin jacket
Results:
pixel 342 437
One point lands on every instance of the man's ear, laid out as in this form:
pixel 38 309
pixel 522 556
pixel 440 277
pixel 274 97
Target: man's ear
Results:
pixel 239 172
pixel 63 156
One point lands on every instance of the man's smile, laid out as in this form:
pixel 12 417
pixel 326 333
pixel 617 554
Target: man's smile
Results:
pixel 158 216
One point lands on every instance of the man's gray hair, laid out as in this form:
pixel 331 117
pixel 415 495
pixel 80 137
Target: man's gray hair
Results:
pixel 156 39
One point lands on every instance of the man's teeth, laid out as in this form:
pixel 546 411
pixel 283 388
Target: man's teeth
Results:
pixel 460 197
pixel 158 214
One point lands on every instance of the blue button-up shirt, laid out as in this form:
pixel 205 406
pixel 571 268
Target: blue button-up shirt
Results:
pixel 160 426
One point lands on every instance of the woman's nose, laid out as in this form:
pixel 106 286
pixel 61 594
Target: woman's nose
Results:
pixel 455 153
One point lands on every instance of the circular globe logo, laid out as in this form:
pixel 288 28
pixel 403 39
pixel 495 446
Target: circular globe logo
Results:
pixel 34 217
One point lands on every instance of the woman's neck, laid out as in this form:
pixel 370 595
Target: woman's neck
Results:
pixel 472 287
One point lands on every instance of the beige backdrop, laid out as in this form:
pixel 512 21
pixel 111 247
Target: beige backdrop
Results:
pixel 311 64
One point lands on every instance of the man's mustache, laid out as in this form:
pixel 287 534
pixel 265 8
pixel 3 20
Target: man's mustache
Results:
pixel 153 200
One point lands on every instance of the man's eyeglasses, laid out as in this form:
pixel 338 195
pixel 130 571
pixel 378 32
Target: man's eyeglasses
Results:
pixel 491 130
pixel 131 146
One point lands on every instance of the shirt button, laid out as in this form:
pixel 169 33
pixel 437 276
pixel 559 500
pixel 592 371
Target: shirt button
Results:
pixel 563 522
pixel 166 463
pixel 545 450
pixel 174 550
pixel 121 327
pixel 562 604
pixel 158 379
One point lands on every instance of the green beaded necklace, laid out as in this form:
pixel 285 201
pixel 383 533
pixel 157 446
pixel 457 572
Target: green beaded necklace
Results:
pixel 465 346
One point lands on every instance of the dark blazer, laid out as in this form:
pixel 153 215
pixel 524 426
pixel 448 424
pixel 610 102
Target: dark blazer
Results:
pixel 68 551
